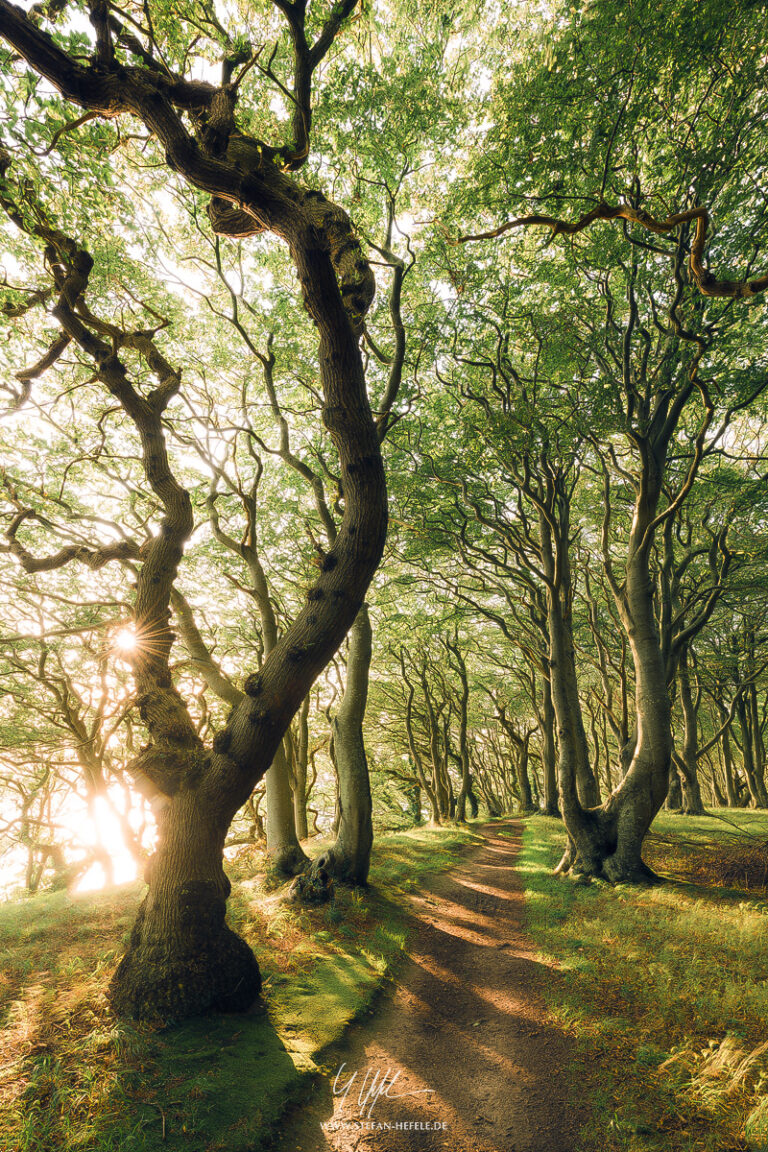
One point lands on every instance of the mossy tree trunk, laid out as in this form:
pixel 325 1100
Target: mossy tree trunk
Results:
pixel 182 957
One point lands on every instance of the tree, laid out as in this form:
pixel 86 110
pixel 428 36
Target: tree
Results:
pixel 663 373
pixel 182 958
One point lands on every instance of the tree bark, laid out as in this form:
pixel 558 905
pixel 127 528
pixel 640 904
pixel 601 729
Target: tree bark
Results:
pixel 181 954
pixel 182 959
pixel 349 857
pixel 573 748
pixel 631 808
pixel 674 800
pixel 465 791
pixel 755 785
pixel 730 785
pixel 549 750
pixel 523 780
pixel 692 804
pixel 285 855
pixel 607 841
pixel 299 765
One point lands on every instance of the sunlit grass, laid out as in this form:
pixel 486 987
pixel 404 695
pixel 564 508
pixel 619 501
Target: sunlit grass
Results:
pixel 666 992
pixel 72 1077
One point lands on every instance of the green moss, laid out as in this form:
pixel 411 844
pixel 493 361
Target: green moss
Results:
pixel 99 1085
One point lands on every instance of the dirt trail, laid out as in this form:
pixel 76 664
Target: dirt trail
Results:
pixel 463 1042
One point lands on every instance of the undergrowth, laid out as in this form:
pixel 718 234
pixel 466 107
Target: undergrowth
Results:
pixel 664 989
pixel 73 1077
pixel 725 848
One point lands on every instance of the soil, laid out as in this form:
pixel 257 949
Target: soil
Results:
pixel 462 1054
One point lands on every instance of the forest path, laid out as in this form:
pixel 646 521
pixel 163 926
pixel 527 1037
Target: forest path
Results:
pixel 463 1041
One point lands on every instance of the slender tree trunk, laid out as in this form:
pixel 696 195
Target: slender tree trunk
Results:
pixel 300 815
pixel 549 750
pixel 730 785
pixel 284 852
pixel 300 762
pixel 687 762
pixel 757 735
pixel 674 800
pixel 754 783
pixel 466 780
pixel 426 785
pixel 571 735
pixel 350 856
pixel 285 855
pixel 717 792
pixel 440 781
pixel 523 780
pixel 607 772
pixel 520 747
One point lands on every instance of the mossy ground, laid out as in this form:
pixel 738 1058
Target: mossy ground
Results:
pixel 665 989
pixel 72 1077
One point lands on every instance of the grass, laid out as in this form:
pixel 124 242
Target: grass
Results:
pixel 725 848
pixel 72 1077
pixel 665 989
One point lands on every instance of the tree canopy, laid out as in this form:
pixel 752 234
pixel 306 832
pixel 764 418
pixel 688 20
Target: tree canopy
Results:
pixel 383 439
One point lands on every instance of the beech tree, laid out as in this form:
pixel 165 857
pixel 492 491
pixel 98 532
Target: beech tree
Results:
pixel 583 352
pixel 182 958
pixel 657 348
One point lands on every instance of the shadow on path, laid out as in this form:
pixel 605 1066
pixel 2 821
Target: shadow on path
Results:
pixel 463 1048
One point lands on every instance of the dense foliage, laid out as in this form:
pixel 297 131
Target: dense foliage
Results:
pixel 564 212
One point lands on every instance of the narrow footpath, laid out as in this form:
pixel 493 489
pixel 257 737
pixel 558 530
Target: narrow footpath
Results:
pixel 461 1055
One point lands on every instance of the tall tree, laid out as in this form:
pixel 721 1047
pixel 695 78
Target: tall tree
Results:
pixel 182 958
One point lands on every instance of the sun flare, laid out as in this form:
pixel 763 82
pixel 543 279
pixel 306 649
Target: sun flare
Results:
pixel 126 640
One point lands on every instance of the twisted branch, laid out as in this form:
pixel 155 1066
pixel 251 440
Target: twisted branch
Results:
pixel 707 283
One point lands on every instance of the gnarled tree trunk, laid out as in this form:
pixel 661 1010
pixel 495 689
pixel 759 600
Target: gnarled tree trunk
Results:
pixel 182 957
pixel 608 841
